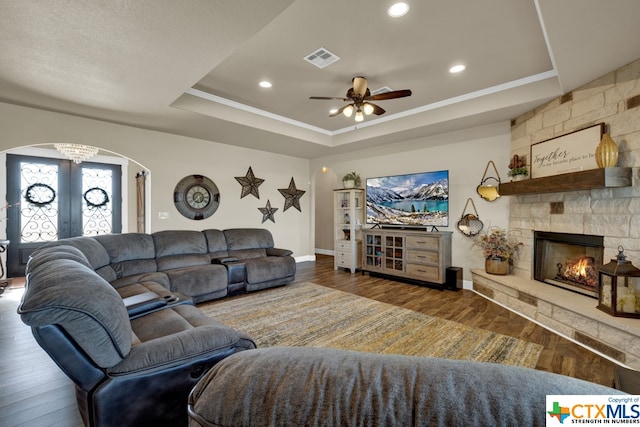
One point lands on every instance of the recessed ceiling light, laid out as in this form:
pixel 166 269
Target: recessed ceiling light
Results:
pixel 457 69
pixel 265 84
pixel 398 9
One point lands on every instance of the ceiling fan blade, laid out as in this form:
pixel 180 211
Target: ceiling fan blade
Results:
pixel 377 110
pixel 389 95
pixel 337 113
pixel 359 86
pixel 329 97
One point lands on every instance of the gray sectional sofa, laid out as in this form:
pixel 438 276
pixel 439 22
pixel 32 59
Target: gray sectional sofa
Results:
pixel 116 313
pixel 203 265
pixel 328 387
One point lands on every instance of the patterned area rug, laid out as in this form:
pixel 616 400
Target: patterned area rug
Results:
pixel 310 315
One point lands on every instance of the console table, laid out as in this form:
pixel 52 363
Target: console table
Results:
pixel 411 254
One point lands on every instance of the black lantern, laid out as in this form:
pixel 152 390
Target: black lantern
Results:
pixel 619 287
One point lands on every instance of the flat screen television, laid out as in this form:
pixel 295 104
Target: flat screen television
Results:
pixel 410 200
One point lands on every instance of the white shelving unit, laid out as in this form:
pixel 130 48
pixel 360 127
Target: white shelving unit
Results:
pixel 348 217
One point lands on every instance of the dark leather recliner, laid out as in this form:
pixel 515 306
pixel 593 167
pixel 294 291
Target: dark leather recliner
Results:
pixel 127 371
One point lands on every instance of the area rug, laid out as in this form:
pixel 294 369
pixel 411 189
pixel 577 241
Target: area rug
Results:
pixel 310 315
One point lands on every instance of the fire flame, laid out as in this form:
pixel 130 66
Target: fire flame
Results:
pixel 581 271
pixel 580 267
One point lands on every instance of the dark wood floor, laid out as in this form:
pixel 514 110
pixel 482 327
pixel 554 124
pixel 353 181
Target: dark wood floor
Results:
pixel 559 354
pixel 34 392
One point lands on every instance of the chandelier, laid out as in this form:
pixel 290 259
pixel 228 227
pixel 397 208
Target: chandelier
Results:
pixel 77 152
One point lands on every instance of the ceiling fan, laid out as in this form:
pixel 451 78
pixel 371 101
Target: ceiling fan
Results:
pixel 360 95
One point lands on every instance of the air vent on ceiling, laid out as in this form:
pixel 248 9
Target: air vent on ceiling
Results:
pixel 321 58
pixel 383 89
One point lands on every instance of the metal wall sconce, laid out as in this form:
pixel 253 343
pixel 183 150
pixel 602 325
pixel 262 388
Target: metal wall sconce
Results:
pixel 487 189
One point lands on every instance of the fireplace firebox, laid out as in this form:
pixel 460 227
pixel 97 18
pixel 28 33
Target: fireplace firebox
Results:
pixel 570 261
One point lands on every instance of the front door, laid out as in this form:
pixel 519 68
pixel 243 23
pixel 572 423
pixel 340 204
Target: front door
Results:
pixel 51 199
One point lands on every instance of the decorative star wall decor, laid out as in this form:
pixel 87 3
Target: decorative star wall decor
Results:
pixel 249 184
pixel 268 212
pixel 292 196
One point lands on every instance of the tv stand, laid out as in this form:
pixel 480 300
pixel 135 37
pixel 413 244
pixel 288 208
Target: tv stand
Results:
pixel 423 256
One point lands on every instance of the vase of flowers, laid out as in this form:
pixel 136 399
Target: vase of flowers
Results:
pixel 498 249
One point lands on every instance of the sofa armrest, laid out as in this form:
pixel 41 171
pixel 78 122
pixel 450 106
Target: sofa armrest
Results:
pixel 224 259
pixel 278 252
pixel 143 303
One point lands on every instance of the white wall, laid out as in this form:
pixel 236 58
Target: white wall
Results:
pixel 464 153
pixel 169 158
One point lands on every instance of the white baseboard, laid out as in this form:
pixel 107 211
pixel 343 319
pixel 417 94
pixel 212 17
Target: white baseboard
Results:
pixel 325 252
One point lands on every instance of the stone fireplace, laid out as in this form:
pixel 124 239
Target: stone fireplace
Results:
pixel 568 207
pixel 570 261
pixel 567 236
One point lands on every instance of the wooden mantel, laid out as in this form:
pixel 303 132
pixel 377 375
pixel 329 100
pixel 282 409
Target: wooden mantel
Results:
pixel 574 181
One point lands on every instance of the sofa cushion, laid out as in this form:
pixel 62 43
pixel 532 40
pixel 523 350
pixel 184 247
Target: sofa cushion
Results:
pixel 156 277
pixel 44 255
pixel 198 280
pixel 107 273
pixel 269 268
pixel 177 261
pixel 216 243
pixel 127 291
pixel 248 253
pixel 128 246
pixel 179 242
pixel 88 308
pixel 248 238
pixel 180 248
pixel 314 386
pixel 176 334
pixel 129 253
pixel 134 267
pixel 95 253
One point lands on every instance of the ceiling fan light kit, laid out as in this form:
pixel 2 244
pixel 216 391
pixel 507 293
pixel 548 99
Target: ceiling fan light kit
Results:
pixel 360 96
pixel 368 108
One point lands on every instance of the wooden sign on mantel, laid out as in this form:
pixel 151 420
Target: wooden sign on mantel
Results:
pixel 571 152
